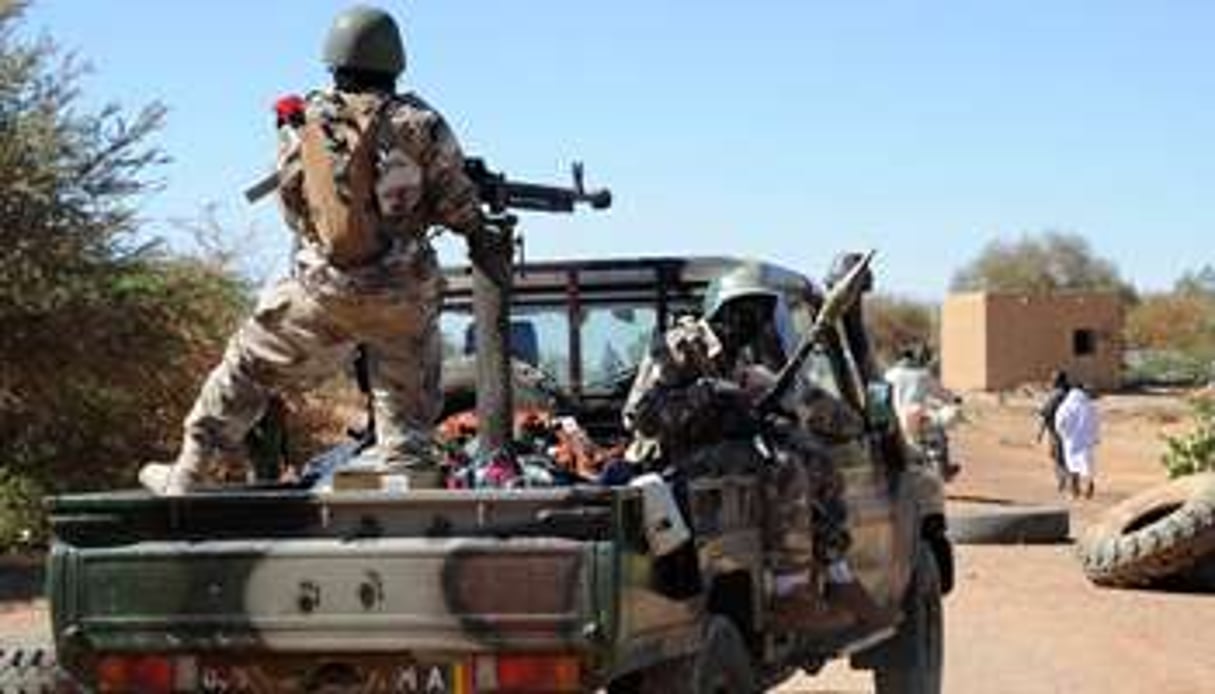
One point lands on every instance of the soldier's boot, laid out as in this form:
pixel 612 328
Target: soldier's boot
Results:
pixel 844 604
pixel 181 476
pixel 167 479
pixel 800 605
pixel 852 597
pixel 806 611
pixel 845 590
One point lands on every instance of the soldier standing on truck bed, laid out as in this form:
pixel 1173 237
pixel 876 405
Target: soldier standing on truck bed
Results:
pixel 364 173
pixel 700 379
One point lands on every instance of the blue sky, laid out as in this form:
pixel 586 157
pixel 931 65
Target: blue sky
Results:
pixel 786 130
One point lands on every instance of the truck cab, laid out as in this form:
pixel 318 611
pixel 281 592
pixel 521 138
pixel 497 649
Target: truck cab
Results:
pixel 488 590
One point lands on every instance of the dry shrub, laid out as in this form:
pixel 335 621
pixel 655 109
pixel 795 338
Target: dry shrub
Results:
pixel 321 418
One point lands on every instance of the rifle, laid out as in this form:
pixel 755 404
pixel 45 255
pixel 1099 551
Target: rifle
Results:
pixel 491 252
pixel 288 110
pixel 839 299
pixel 496 191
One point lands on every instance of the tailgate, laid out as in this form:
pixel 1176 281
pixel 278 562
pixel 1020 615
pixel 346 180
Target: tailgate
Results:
pixel 332 595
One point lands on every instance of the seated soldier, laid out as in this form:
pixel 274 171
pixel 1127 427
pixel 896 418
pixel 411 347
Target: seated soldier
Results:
pixel 698 386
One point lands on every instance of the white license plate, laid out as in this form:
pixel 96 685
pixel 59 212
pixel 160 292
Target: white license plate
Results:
pixel 358 678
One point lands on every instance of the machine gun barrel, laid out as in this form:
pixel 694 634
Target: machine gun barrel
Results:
pixel 839 299
pixel 492 284
pixel 500 194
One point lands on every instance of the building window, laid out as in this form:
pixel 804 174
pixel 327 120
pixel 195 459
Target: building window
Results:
pixel 1084 342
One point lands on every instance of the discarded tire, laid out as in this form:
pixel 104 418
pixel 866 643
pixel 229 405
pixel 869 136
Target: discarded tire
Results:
pixel 27 670
pixel 1153 535
pixel 973 523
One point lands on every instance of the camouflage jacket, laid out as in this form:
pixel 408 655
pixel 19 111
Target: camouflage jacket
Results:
pixel 421 183
pixel 685 396
pixel 673 388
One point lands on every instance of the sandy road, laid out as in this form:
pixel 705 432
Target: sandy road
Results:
pixel 1024 620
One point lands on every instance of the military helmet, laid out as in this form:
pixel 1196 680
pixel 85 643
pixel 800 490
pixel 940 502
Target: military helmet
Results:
pixel 365 38
pixel 745 280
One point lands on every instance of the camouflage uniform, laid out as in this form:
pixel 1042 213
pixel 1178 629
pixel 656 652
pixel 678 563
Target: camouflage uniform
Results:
pixel 685 398
pixel 672 391
pixel 821 421
pixel 305 326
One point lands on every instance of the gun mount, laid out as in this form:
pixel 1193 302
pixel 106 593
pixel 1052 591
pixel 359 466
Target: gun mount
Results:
pixel 491 255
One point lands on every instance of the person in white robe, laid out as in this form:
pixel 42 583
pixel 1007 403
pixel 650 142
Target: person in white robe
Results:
pixel 1079 429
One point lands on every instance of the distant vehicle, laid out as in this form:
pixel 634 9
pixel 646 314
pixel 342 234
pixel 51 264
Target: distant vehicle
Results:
pixel 491 590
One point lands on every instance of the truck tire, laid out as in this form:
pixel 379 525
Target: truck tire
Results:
pixel 914 657
pixel 1153 535
pixel 721 666
pixel 27 670
pixel 987 523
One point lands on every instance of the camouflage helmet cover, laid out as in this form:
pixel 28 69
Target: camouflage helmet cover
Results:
pixel 365 38
pixel 748 279
pixel 752 279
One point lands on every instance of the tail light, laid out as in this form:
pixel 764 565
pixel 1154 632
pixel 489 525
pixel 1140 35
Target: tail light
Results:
pixel 146 674
pixel 528 673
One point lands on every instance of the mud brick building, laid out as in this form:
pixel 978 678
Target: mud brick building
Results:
pixel 995 341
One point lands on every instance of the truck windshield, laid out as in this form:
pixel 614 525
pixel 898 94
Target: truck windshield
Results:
pixel 614 338
pixel 538 336
pixel 611 341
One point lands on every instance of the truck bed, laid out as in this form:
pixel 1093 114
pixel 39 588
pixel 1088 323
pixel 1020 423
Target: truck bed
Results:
pixel 352 571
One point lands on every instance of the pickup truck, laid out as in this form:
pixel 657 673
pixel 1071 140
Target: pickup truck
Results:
pixel 268 589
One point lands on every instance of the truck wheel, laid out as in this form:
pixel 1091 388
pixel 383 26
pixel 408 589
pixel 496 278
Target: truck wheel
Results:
pixel 914 658
pixel 1153 535
pixel 721 666
pixel 27 670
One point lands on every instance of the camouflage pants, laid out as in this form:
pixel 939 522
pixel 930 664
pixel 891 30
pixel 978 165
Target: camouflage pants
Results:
pixel 809 525
pixel 297 338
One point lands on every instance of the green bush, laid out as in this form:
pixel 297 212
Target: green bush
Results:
pixel 103 339
pixel 1193 451
pixel 1166 367
pixel 22 523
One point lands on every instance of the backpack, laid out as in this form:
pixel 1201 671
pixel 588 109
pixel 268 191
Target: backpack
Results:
pixel 338 153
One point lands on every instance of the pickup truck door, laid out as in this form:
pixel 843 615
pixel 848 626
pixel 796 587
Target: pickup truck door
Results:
pixel 869 489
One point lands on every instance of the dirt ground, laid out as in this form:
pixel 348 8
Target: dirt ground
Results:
pixel 1023 619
